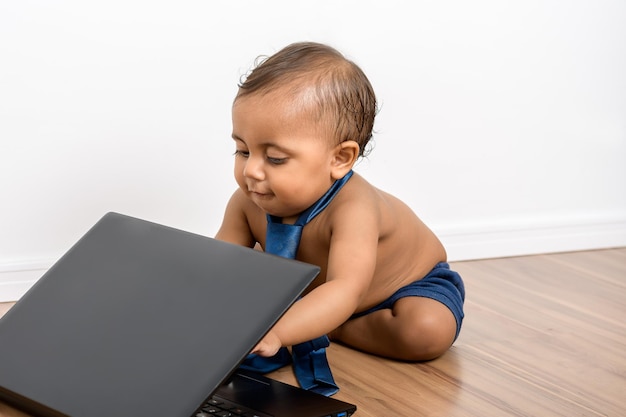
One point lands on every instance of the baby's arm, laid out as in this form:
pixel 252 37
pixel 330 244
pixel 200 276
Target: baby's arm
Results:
pixel 351 265
pixel 235 228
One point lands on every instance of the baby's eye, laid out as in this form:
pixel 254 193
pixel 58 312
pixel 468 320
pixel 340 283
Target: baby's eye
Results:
pixel 243 153
pixel 276 161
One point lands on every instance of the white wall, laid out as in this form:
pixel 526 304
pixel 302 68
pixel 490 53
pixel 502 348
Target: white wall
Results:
pixel 503 124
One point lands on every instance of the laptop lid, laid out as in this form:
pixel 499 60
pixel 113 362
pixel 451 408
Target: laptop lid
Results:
pixel 139 319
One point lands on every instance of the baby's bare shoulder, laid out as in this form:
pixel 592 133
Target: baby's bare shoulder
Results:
pixel 363 194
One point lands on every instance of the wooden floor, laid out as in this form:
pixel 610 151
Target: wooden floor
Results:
pixel 543 336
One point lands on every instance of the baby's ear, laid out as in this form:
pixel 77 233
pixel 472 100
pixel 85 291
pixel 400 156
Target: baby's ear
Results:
pixel 344 157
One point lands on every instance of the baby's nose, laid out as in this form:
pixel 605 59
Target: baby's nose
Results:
pixel 254 169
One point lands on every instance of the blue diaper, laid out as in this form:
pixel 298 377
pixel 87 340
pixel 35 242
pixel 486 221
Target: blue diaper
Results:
pixel 440 284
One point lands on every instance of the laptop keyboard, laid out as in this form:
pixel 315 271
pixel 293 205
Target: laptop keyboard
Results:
pixel 223 408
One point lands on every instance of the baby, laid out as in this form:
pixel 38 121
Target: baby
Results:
pixel 301 119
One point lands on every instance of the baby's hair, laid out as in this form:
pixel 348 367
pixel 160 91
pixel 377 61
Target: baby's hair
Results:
pixel 343 96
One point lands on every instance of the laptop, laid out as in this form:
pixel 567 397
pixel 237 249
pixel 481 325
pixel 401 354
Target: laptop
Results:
pixel 140 319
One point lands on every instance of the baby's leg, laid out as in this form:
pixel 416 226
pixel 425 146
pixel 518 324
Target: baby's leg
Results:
pixel 415 329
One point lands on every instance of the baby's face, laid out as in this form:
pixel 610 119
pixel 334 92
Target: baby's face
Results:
pixel 283 159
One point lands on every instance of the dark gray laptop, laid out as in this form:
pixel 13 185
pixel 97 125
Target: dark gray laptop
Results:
pixel 139 319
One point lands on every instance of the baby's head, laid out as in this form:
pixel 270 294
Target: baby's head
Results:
pixel 320 81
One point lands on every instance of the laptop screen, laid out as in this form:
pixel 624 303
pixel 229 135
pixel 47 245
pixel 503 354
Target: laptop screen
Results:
pixel 141 319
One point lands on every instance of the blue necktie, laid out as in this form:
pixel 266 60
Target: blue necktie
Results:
pixel 309 358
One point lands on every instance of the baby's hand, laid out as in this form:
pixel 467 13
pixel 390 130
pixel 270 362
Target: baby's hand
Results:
pixel 268 346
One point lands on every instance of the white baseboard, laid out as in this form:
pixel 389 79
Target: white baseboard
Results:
pixel 462 242
pixel 531 238
pixel 17 277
